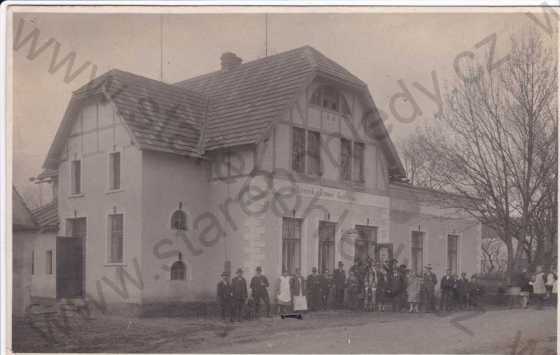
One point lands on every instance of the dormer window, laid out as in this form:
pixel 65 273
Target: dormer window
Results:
pixel 330 98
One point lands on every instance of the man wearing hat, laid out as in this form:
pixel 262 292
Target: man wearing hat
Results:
pixel 225 296
pixel 326 282
pixel 429 282
pixel 446 287
pixel 239 294
pixel 339 280
pixel 259 284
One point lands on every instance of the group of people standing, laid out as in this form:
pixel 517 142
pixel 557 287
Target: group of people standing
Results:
pixel 367 286
pixel 538 288
pixel 372 286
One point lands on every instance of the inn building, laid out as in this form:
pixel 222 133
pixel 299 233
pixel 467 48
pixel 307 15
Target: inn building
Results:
pixel 282 162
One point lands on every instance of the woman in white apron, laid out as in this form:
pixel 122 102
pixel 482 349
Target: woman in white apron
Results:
pixel 298 288
pixel 284 297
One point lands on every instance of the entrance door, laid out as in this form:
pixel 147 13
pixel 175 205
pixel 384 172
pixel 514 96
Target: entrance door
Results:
pixel 70 263
pixel 364 245
pixel 69 267
pixel 384 252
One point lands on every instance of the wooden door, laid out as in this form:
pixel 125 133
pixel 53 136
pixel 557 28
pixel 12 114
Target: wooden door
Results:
pixel 69 267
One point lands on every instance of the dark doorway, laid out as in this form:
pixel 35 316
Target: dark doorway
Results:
pixel 70 266
pixel 365 243
pixel 384 252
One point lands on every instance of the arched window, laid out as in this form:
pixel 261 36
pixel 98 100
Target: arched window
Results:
pixel 330 98
pixel 178 270
pixel 179 220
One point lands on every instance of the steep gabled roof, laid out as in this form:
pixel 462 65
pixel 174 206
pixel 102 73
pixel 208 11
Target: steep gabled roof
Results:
pixel 216 110
pixel 245 100
pixel 47 217
pixel 159 116
pixel 22 219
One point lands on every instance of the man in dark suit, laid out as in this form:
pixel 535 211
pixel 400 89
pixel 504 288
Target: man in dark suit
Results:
pixel 447 286
pixel 239 294
pixel 314 290
pixel 463 291
pixel 429 282
pixel 325 288
pixel 225 296
pixel 259 285
pixel 339 280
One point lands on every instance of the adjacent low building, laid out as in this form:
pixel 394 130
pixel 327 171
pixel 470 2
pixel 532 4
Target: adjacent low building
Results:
pixel 34 253
pixel 282 162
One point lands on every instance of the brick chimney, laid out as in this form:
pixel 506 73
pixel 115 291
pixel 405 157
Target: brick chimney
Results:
pixel 230 61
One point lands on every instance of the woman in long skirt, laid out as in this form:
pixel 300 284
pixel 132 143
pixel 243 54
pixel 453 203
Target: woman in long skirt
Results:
pixel 413 291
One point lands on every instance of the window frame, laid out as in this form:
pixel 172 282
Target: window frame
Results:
pixel 358 174
pixel 73 182
pixel 313 159
pixel 318 98
pixel 184 271
pixel 296 241
pixel 109 239
pixel 186 220
pixel 346 170
pixel 49 258
pixel 298 153
pixel 370 242
pixel 456 253
pixel 111 172
pixel 349 173
pixel 326 244
pixel 421 250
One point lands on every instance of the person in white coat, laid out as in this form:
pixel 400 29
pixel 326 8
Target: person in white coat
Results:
pixel 284 296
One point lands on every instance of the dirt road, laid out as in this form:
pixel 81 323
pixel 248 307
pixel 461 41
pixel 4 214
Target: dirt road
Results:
pixel 340 332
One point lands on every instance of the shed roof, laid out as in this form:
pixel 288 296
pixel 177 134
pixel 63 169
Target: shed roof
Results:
pixel 22 219
pixel 47 217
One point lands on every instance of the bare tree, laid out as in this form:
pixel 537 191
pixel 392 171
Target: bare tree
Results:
pixel 415 154
pixel 495 147
pixel 491 252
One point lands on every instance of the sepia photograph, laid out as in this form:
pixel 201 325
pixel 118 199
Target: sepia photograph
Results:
pixel 281 179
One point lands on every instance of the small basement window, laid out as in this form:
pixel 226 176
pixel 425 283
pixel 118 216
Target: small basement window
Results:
pixel 178 270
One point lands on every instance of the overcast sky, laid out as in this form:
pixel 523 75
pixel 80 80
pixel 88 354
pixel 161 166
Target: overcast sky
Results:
pixel 381 49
